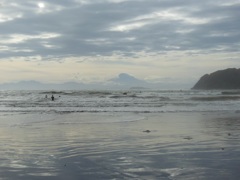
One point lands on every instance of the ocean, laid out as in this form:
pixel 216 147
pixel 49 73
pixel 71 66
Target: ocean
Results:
pixel 145 101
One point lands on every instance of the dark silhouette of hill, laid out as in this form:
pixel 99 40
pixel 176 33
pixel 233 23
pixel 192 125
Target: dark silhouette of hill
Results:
pixel 222 79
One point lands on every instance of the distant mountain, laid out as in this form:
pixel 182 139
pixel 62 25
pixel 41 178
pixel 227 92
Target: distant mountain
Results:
pixel 31 85
pixel 35 85
pixel 122 81
pixel 126 79
pixel 222 79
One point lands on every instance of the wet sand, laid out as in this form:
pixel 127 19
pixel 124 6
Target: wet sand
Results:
pixel 120 146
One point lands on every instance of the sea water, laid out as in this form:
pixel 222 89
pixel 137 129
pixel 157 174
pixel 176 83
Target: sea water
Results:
pixel 119 101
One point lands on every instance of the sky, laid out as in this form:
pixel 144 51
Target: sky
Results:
pixel 89 41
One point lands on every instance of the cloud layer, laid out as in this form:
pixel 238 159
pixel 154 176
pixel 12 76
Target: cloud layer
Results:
pixel 108 27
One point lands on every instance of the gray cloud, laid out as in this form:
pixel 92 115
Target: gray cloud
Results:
pixel 80 28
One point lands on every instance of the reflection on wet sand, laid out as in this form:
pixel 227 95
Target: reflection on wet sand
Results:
pixel 114 146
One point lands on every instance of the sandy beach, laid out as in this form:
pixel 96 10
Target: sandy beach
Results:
pixel 119 146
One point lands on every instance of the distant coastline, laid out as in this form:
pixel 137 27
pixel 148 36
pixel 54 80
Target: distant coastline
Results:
pixel 123 81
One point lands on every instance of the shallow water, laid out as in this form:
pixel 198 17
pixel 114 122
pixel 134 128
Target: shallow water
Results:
pixel 117 146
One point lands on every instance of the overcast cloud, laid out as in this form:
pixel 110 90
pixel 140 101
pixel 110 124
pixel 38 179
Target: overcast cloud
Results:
pixel 89 29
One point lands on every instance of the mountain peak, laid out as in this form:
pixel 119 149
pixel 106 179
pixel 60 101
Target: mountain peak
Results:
pixel 124 78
